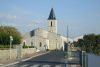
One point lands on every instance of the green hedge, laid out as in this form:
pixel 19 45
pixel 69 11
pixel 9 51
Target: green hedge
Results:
pixel 25 46
pixel 5 46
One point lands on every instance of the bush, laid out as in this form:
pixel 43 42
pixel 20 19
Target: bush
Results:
pixel 31 46
pixel 6 46
pixel 25 46
pixel 47 49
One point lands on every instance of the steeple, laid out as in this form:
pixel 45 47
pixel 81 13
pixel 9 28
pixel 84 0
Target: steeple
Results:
pixel 52 22
pixel 52 15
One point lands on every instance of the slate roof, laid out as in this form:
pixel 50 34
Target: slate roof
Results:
pixel 52 15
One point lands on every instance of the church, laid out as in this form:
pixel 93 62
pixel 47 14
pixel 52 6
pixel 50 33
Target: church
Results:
pixel 43 39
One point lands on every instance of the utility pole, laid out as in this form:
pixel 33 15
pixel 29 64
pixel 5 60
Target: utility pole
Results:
pixel 67 34
pixel 69 52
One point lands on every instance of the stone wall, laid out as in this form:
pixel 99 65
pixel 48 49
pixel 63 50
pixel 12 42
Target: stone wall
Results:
pixel 5 54
pixel 28 51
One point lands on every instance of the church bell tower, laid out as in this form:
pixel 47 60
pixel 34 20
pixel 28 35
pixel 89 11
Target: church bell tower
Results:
pixel 52 22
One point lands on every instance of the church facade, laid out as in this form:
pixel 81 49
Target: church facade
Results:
pixel 46 39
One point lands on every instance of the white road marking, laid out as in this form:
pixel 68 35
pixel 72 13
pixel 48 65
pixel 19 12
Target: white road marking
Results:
pixel 46 65
pixel 58 66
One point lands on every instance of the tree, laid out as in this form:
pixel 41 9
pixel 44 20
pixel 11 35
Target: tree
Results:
pixel 89 43
pixel 6 32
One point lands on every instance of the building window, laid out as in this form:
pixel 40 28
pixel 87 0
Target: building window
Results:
pixel 32 33
pixel 40 44
pixel 23 43
pixel 51 23
pixel 31 43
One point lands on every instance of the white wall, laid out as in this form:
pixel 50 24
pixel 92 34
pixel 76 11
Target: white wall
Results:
pixel 4 54
pixel 52 28
pixel 54 41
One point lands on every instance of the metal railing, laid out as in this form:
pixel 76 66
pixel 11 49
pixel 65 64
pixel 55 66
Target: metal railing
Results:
pixel 77 58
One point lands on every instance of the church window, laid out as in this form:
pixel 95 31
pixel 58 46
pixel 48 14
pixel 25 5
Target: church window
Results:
pixel 32 33
pixel 51 23
pixel 23 43
pixel 31 43
pixel 40 44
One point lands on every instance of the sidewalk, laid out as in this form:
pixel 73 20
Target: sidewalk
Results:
pixel 26 57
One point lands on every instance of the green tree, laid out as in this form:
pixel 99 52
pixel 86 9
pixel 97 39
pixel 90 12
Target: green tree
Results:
pixel 89 43
pixel 6 32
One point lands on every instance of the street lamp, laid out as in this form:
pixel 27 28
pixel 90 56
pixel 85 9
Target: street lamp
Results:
pixel 11 39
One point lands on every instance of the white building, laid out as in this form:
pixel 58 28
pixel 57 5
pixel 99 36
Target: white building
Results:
pixel 46 39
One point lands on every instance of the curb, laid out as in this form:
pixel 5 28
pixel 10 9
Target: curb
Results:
pixel 2 65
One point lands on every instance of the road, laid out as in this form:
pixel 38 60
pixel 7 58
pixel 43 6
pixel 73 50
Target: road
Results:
pixel 51 59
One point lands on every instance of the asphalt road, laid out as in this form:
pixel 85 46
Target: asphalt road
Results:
pixel 51 59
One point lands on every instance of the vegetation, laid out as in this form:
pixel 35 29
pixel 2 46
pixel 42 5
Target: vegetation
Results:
pixel 90 43
pixel 6 32
pixel 25 46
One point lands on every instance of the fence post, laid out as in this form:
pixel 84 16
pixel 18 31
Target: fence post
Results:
pixel 65 63
pixel 84 59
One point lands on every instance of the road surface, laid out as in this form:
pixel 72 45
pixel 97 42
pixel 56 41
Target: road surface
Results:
pixel 51 59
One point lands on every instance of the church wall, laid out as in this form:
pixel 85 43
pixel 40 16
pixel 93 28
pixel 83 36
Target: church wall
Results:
pixel 54 23
pixel 26 39
pixel 53 27
pixel 41 32
pixel 54 41
pixel 59 42
pixel 40 36
pixel 40 43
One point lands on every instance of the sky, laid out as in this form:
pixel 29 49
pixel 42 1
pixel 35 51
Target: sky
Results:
pixel 81 16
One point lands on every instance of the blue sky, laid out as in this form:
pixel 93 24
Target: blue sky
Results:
pixel 82 16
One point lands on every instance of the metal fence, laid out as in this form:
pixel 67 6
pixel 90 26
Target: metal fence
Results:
pixel 77 58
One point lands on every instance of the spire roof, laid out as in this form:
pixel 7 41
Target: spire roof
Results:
pixel 52 15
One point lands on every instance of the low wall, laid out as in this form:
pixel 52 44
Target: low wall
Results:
pixel 28 51
pixel 5 54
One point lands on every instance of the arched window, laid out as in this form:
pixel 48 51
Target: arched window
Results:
pixel 31 43
pixel 51 23
pixel 23 43
pixel 40 44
